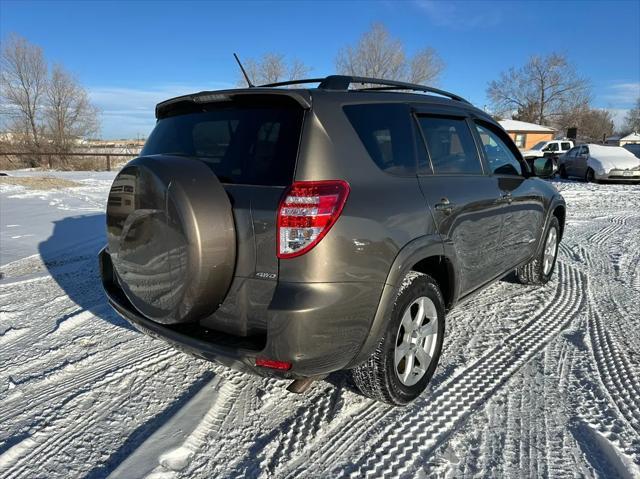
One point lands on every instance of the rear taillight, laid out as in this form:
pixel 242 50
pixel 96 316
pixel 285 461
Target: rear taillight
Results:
pixel 307 212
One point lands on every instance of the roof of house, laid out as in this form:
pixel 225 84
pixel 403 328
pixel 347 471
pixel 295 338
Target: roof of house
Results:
pixel 516 125
pixel 631 137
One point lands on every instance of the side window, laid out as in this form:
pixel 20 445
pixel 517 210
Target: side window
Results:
pixel 552 147
pixel 386 132
pixel 583 151
pixel 566 146
pixel 500 158
pixel 450 145
pixel 572 152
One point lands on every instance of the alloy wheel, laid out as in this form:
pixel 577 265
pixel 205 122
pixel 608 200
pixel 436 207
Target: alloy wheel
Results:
pixel 550 250
pixel 416 341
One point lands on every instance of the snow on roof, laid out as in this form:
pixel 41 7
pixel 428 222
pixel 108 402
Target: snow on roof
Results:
pixel 632 137
pixel 515 125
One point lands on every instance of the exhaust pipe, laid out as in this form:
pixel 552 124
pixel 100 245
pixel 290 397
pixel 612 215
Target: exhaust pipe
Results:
pixel 300 386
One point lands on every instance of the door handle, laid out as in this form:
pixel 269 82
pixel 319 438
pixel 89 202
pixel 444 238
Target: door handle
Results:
pixel 507 197
pixel 445 206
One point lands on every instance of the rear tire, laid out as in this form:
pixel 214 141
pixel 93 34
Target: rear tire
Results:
pixel 401 366
pixel 539 270
pixel 563 172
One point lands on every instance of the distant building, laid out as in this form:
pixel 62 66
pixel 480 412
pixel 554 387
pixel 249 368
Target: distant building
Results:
pixel 525 135
pixel 631 139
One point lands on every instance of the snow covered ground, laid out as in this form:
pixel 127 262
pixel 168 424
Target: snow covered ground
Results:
pixel 533 381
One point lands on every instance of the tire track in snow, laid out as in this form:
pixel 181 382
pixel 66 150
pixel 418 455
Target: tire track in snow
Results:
pixel 50 440
pixel 618 376
pixel 410 434
pixel 110 368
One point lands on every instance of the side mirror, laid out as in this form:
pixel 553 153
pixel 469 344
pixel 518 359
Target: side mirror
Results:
pixel 543 167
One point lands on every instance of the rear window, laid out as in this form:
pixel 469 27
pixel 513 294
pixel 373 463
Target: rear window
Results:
pixel 241 144
pixel 385 130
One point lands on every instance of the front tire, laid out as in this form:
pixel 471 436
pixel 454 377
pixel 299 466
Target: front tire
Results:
pixel 401 366
pixel 539 270
pixel 590 176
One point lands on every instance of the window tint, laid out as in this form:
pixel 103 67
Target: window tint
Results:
pixel 500 158
pixel 566 146
pixel 583 151
pixel 451 146
pixel 246 145
pixel 385 131
pixel 552 147
pixel 572 152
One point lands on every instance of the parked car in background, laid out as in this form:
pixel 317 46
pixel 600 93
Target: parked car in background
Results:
pixel 633 148
pixel 599 163
pixel 548 148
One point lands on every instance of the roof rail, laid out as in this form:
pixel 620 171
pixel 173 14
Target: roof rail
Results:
pixel 342 82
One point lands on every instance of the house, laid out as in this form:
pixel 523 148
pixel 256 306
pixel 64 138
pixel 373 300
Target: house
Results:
pixel 631 139
pixel 525 135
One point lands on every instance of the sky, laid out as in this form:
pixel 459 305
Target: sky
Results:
pixel 131 55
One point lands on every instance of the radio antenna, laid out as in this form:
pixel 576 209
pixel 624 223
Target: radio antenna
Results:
pixel 246 77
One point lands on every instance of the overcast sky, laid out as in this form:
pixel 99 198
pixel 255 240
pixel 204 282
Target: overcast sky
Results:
pixel 130 55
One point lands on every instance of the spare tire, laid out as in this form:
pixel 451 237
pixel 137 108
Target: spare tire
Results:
pixel 171 237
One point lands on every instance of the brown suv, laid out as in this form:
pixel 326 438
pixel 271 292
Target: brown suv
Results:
pixel 294 232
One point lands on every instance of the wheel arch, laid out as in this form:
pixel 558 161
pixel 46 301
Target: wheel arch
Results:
pixel 560 212
pixel 425 255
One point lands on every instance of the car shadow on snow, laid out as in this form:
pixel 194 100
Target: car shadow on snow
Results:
pixel 70 255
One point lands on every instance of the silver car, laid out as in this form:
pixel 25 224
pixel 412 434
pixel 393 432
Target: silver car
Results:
pixel 599 163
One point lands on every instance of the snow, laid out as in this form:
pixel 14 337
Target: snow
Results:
pixel 516 125
pixel 533 381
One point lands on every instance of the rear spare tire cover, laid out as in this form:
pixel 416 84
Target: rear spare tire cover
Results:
pixel 171 237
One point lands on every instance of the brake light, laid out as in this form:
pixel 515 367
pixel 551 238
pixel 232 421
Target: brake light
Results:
pixel 273 364
pixel 307 212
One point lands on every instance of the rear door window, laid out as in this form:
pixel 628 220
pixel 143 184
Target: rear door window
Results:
pixel 566 146
pixel 241 144
pixel 450 145
pixel 385 131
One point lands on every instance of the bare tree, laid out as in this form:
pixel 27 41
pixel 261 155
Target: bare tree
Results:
pixel 69 113
pixel 23 84
pixel 42 109
pixel 272 68
pixel 593 124
pixel 377 54
pixel 540 91
pixel 632 120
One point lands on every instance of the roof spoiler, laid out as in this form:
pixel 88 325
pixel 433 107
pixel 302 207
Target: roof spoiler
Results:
pixel 302 97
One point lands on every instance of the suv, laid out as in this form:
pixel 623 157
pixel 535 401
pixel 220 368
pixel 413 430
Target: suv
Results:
pixel 553 148
pixel 297 232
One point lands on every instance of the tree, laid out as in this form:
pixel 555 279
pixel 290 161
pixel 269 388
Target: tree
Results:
pixel 377 54
pixel 69 114
pixel 632 120
pixel 593 124
pixel 42 109
pixel 541 91
pixel 23 84
pixel 272 68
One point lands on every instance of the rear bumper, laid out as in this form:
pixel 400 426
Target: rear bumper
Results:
pixel 318 327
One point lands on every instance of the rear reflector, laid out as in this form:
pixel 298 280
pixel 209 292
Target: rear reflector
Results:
pixel 273 364
pixel 307 212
